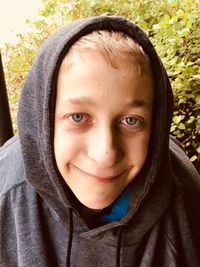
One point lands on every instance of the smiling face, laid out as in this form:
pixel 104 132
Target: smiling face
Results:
pixel 102 126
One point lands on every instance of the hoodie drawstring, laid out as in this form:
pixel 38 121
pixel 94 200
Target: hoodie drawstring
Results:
pixel 69 244
pixel 118 250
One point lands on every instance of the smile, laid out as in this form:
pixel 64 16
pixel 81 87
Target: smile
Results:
pixel 101 179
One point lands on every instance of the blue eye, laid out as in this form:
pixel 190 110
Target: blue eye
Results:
pixel 80 119
pixel 77 117
pixel 130 121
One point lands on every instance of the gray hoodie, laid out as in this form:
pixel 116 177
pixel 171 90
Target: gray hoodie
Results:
pixel 40 219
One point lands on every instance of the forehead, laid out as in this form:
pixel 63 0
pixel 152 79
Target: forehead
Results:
pixel 115 47
pixel 88 75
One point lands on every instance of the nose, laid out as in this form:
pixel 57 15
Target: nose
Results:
pixel 105 148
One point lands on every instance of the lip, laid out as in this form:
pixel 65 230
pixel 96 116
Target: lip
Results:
pixel 101 179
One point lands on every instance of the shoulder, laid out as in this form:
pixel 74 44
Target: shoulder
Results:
pixel 12 171
pixel 188 181
pixel 184 172
pixel 181 164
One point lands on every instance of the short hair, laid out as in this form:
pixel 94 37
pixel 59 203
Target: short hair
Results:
pixel 115 47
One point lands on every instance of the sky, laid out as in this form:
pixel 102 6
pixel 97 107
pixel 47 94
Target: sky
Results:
pixel 13 16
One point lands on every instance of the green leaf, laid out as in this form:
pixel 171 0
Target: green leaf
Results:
pixel 173 128
pixel 193 158
pixel 177 119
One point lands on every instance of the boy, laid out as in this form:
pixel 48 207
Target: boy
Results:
pixel 91 180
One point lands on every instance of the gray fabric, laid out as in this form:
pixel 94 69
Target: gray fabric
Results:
pixel 40 224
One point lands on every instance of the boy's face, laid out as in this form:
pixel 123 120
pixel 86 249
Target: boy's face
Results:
pixel 102 126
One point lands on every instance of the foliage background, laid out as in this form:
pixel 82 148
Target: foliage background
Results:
pixel 173 27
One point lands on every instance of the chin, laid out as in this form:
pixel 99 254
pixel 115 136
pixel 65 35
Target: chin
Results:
pixel 96 206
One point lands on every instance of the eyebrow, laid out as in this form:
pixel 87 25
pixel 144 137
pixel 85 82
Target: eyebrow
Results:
pixel 84 100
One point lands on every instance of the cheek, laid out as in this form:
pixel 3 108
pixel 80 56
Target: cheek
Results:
pixel 137 150
pixel 66 147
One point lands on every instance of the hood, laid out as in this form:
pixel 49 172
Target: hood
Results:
pixel 37 104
